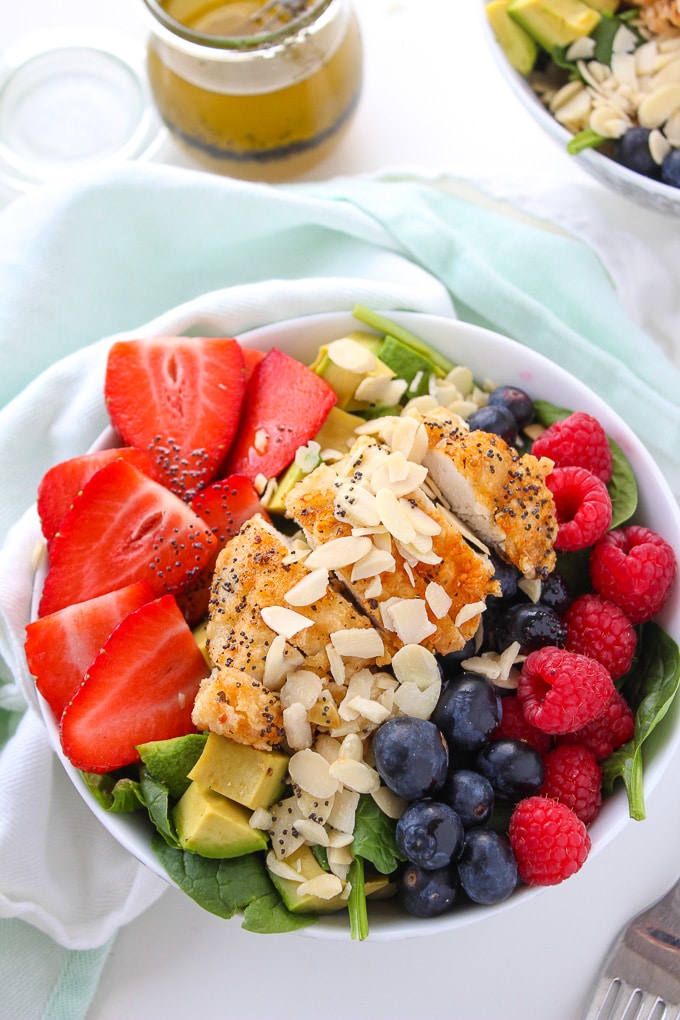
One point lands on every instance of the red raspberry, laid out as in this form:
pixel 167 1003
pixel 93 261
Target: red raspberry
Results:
pixel 577 441
pixel 549 842
pixel 635 568
pixel 573 776
pixel 612 729
pixel 600 629
pixel 514 726
pixel 561 691
pixel 583 507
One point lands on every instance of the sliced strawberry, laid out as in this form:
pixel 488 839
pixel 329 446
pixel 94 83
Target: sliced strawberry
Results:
pixel 124 527
pixel 61 647
pixel 179 399
pixel 285 406
pixel 224 506
pixel 140 687
pixel 62 483
pixel 251 358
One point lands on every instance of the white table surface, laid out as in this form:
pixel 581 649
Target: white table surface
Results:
pixel 433 101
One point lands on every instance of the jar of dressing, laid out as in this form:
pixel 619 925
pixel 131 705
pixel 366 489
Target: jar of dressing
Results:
pixel 259 89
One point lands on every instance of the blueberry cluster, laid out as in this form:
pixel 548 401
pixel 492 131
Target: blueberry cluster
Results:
pixel 632 150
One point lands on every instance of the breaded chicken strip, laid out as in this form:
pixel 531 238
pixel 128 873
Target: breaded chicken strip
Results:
pixel 465 576
pixel 239 707
pixel 252 574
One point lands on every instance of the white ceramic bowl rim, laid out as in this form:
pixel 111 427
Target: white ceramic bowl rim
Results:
pixel 487 354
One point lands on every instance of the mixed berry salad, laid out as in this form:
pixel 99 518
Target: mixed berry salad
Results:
pixel 357 629
pixel 607 70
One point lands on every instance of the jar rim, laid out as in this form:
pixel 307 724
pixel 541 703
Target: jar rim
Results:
pixel 309 13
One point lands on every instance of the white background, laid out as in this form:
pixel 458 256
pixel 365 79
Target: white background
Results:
pixel 433 101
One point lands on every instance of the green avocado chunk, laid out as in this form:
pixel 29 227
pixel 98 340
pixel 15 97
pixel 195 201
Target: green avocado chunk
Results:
pixel 554 22
pixel 519 47
pixel 244 774
pixel 213 826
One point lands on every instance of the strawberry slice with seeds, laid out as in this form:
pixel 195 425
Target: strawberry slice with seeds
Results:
pixel 251 358
pixel 124 527
pixel 179 399
pixel 223 506
pixel 62 483
pixel 284 407
pixel 61 647
pixel 140 687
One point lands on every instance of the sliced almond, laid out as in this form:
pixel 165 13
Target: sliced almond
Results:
pixel 438 599
pixel 339 552
pixel 325 886
pixel 410 621
pixel 656 108
pixel 355 775
pixel 303 686
pixel 312 832
pixel 310 589
pixel 389 803
pixel 360 642
pixel 284 621
pixel 310 771
pixel 412 701
pixel 348 354
pixel 468 612
pixel 416 664
pixel 297 728
pixel 344 811
pixel 375 562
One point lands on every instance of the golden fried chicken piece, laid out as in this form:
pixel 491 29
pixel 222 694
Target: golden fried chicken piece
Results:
pixel 659 15
pixel 239 707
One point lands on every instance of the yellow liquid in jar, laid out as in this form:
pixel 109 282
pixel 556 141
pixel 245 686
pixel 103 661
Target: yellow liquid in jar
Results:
pixel 265 134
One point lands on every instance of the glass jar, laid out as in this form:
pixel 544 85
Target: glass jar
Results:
pixel 260 90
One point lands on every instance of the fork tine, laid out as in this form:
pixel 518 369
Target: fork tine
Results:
pixel 616 1000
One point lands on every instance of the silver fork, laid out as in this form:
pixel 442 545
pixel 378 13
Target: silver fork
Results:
pixel 640 977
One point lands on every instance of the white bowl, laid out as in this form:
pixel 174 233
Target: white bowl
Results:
pixel 643 190
pixel 487 354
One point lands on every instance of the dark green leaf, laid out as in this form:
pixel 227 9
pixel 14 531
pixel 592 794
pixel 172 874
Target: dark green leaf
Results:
pixel 223 887
pixel 374 838
pixel 157 800
pixel 268 915
pixel 587 139
pixel 650 688
pixel 115 793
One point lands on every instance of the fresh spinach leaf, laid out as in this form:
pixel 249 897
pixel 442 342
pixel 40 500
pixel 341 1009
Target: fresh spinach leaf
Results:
pixel 116 793
pixel 268 915
pixel 224 887
pixel 374 837
pixel 649 687
pixel 170 761
pixel 157 800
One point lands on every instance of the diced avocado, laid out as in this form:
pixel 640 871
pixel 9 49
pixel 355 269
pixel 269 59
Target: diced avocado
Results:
pixel 554 22
pixel 606 6
pixel 344 381
pixel 245 774
pixel 304 861
pixel 406 363
pixel 201 638
pixel 170 761
pixel 518 46
pixel 211 825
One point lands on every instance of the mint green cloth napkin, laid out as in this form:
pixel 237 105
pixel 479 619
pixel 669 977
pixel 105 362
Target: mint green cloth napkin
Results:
pixel 147 249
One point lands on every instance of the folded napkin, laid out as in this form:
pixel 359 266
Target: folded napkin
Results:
pixel 146 250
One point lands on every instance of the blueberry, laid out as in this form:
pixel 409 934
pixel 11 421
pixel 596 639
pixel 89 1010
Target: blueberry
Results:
pixel 487 868
pixel 468 711
pixel 519 403
pixel 632 150
pixel 450 663
pixel 555 593
pixel 470 795
pixel 506 573
pixel 411 756
pixel 497 419
pixel 430 834
pixel 513 767
pixel 426 893
pixel 670 169
pixel 532 625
